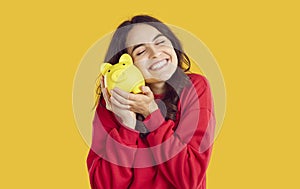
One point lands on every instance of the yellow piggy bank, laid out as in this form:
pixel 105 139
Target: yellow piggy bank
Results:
pixel 123 75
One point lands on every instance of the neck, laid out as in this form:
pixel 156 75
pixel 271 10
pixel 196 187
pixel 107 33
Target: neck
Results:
pixel 158 88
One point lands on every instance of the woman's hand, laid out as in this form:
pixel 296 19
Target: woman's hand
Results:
pixel 124 115
pixel 139 103
pixel 105 94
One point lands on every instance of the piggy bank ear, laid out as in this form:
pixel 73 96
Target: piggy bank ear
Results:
pixel 104 68
pixel 126 58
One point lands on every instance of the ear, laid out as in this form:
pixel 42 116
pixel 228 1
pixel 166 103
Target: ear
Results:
pixel 104 67
pixel 126 58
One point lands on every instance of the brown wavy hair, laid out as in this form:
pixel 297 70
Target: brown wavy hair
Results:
pixel 178 80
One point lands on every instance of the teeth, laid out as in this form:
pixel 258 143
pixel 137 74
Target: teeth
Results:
pixel 158 65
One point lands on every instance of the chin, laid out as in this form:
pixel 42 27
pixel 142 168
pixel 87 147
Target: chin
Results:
pixel 153 80
pixel 158 79
pixel 166 77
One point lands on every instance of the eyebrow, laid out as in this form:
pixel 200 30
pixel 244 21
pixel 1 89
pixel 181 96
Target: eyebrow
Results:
pixel 141 44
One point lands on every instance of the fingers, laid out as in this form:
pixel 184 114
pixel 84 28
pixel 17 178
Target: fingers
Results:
pixel 120 100
pixel 117 103
pixel 124 94
pixel 106 98
pixel 147 91
pixel 105 94
pixel 138 103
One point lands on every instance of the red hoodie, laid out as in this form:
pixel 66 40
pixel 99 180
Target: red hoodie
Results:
pixel 175 154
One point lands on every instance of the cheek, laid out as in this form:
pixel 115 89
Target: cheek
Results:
pixel 174 56
pixel 138 59
pixel 170 51
pixel 141 66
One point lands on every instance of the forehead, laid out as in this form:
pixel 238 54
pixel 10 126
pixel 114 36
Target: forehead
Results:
pixel 141 33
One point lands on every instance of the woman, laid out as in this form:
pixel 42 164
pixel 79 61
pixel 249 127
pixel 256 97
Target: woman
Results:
pixel 163 137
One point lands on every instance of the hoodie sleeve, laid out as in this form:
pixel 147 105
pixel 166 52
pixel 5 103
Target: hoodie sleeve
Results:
pixel 112 145
pixel 182 149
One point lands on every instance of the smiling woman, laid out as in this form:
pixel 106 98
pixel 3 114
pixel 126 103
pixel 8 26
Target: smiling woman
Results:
pixel 153 53
pixel 162 137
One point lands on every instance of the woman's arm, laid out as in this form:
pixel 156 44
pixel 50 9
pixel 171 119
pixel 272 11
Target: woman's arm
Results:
pixel 182 151
pixel 109 150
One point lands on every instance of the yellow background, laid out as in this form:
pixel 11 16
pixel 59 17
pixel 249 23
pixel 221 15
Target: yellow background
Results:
pixel 256 44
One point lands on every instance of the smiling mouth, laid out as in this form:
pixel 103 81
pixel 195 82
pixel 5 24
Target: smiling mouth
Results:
pixel 158 65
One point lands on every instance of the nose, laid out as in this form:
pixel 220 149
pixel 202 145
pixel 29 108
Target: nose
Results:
pixel 154 51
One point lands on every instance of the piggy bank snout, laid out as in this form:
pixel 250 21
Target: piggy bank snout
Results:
pixel 118 75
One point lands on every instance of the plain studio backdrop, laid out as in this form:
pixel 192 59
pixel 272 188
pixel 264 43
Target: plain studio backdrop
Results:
pixel 255 43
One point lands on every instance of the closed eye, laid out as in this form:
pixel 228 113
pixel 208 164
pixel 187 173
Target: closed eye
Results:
pixel 139 53
pixel 160 42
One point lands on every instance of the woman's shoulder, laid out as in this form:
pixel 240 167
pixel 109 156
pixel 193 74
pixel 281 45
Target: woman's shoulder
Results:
pixel 192 95
pixel 198 79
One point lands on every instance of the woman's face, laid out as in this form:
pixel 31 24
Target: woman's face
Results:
pixel 152 53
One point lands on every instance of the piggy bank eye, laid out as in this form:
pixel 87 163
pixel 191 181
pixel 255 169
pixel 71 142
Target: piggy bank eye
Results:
pixel 123 64
pixel 108 70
